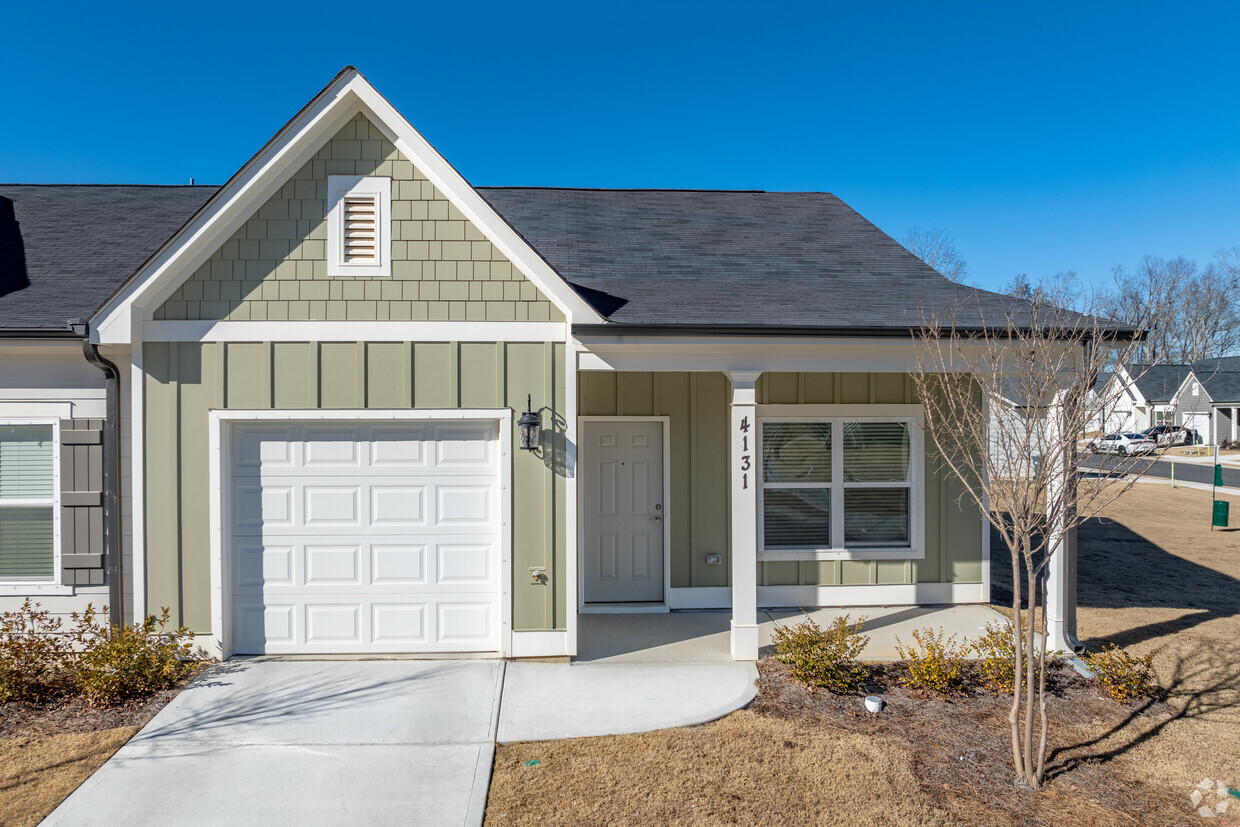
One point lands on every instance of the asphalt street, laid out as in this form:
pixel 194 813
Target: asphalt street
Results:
pixel 1184 471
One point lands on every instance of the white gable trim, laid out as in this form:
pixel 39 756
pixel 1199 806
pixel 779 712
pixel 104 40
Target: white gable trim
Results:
pixel 122 318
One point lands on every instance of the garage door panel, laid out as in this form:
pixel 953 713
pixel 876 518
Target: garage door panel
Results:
pixel 464 624
pixel 398 505
pixel 375 538
pixel 333 448
pixel 398 447
pixel 464 506
pixel 333 624
pixel 457 564
pixel 398 565
pixel 399 624
pixel 332 506
pixel 333 565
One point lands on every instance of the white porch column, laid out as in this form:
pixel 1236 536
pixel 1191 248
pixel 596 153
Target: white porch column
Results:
pixel 1061 571
pixel 744 505
pixel 1235 415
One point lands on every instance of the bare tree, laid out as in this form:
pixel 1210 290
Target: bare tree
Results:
pixel 1062 290
pixel 1208 315
pixel 937 247
pixel 1022 471
pixel 1200 316
pixel 1156 283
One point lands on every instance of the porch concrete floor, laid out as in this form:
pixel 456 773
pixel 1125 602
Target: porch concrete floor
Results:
pixel 703 636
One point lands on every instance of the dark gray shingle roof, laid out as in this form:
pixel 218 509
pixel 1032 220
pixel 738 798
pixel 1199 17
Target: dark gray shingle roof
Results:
pixel 652 257
pixel 688 257
pixel 65 248
pixel 1159 382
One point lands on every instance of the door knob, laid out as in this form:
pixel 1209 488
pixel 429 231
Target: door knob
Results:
pixel 657 519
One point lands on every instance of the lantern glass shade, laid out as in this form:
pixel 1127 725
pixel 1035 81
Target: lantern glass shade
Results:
pixel 528 427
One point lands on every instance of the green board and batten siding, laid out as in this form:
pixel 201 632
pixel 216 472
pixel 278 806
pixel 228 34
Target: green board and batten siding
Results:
pixel 697 407
pixel 184 381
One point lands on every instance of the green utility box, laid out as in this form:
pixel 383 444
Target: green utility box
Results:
pixel 1221 508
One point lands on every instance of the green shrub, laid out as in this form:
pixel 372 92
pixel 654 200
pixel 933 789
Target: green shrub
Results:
pixel 33 655
pixel 116 663
pixel 822 657
pixel 1125 677
pixel 935 663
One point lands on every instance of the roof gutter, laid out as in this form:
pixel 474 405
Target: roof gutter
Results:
pixel 788 331
pixel 38 333
pixel 111 474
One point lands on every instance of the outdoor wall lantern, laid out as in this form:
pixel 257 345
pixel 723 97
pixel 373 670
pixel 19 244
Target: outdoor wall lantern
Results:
pixel 529 426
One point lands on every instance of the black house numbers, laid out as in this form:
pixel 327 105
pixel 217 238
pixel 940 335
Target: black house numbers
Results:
pixel 746 463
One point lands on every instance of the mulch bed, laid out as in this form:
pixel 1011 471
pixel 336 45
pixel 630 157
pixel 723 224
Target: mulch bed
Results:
pixel 71 713
pixel 962 745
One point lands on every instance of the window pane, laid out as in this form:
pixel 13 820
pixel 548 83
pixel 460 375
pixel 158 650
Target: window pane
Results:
pixel 875 452
pixel 876 516
pixel 796 452
pixel 796 518
pixel 26 543
pixel 25 462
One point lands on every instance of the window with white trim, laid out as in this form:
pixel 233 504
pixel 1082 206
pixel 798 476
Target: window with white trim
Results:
pixel 359 219
pixel 27 502
pixel 839 487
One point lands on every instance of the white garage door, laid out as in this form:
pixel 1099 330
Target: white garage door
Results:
pixel 365 537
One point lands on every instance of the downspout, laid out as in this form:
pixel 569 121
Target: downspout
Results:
pixel 112 551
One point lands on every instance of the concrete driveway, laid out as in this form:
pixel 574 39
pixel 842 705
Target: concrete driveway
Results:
pixel 307 742
pixel 409 742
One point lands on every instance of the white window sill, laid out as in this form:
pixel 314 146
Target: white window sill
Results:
pixel 19 589
pixel 843 554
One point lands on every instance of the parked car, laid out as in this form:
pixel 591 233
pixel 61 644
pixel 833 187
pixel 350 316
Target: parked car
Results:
pixel 1167 435
pixel 1127 444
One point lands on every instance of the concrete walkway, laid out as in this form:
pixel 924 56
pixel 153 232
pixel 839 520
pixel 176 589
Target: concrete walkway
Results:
pixel 309 742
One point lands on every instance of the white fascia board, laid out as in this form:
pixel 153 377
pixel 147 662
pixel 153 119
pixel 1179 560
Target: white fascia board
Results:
pixel 378 331
pixel 759 354
pixel 474 207
pixel 120 320
pixel 123 318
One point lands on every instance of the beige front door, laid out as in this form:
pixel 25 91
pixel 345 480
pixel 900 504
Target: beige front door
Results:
pixel 622 510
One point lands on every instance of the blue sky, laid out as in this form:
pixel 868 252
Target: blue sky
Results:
pixel 1046 137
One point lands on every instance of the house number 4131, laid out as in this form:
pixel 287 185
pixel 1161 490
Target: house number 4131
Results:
pixel 746 463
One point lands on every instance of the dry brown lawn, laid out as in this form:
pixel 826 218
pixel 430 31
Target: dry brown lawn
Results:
pixel 48 750
pixel 1152 577
pixel 37 773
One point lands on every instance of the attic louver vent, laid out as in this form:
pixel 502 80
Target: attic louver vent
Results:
pixel 359 210
pixel 359 229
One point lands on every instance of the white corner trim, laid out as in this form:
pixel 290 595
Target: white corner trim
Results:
pixel 540 644
pixel 908 594
pixel 217 471
pixel 120 319
pixel 137 480
pixel 378 331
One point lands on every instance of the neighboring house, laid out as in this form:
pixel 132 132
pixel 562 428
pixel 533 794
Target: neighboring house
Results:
pixel 312 438
pixel 1208 400
pixel 1141 396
